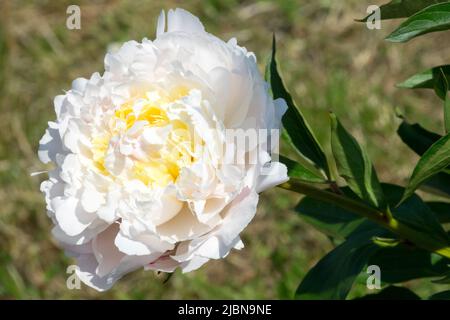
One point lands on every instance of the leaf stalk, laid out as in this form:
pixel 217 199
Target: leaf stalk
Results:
pixel 384 219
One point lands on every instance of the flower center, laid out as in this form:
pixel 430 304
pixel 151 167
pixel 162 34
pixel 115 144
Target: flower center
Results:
pixel 156 143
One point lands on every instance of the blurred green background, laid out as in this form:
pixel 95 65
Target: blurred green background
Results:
pixel 329 62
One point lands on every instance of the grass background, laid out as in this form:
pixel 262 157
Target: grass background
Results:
pixel 329 62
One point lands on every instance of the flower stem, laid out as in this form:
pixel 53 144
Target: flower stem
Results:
pixel 383 219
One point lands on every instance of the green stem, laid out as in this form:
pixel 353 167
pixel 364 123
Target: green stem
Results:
pixel 383 219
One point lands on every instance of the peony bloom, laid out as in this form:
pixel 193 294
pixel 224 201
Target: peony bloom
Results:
pixel 145 174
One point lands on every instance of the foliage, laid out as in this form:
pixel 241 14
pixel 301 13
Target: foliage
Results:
pixel 378 224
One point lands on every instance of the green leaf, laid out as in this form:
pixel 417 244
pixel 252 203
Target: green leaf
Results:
pixel 328 218
pixel 298 171
pixel 438 184
pixel 420 140
pixel 392 293
pixel 441 87
pixel 416 137
pixel 447 113
pixel 441 210
pixel 333 276
pixel 402 8
pixel 413 212
pixel 431 19
pixel 444 295
pixel 440 84
pixel 425 79
pixel 433 161
pixel 438 79
pixel 298 130
pixel 403 263
pixel 354 165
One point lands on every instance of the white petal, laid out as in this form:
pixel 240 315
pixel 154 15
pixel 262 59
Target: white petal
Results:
pixel 75 250
pixel 50 144
pixel 239 245
pixel 182 227
pixel 218 243
pixel 210 248
pixel 280 109
pixel 144 244
pixel 164 264
pixel 161 25
pixel 272 176
pixel 182 20
pixel 105 251
pixel 79 239
pixel 239 214
pixel 108 212
pixel 193 264
pixel 79 84
pixel 67 216
pixel 87 265
pixel 91 199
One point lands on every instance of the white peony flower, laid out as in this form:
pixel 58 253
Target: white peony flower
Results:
pixel 141 178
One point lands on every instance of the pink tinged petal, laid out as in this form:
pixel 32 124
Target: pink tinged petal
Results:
pixel 164 264
pixel 75 250
pixel 238 215
pixel 272 176
pixel 105 251
pixel 129 246
pixel 216 248
pixel 218 243
pixel 88 265
pixel 210 248
pixel 167 209
pixel 64 238
pixel 193 264
pixel 208 211
pixel 144 244
pixel 183 226
pixel 182 20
